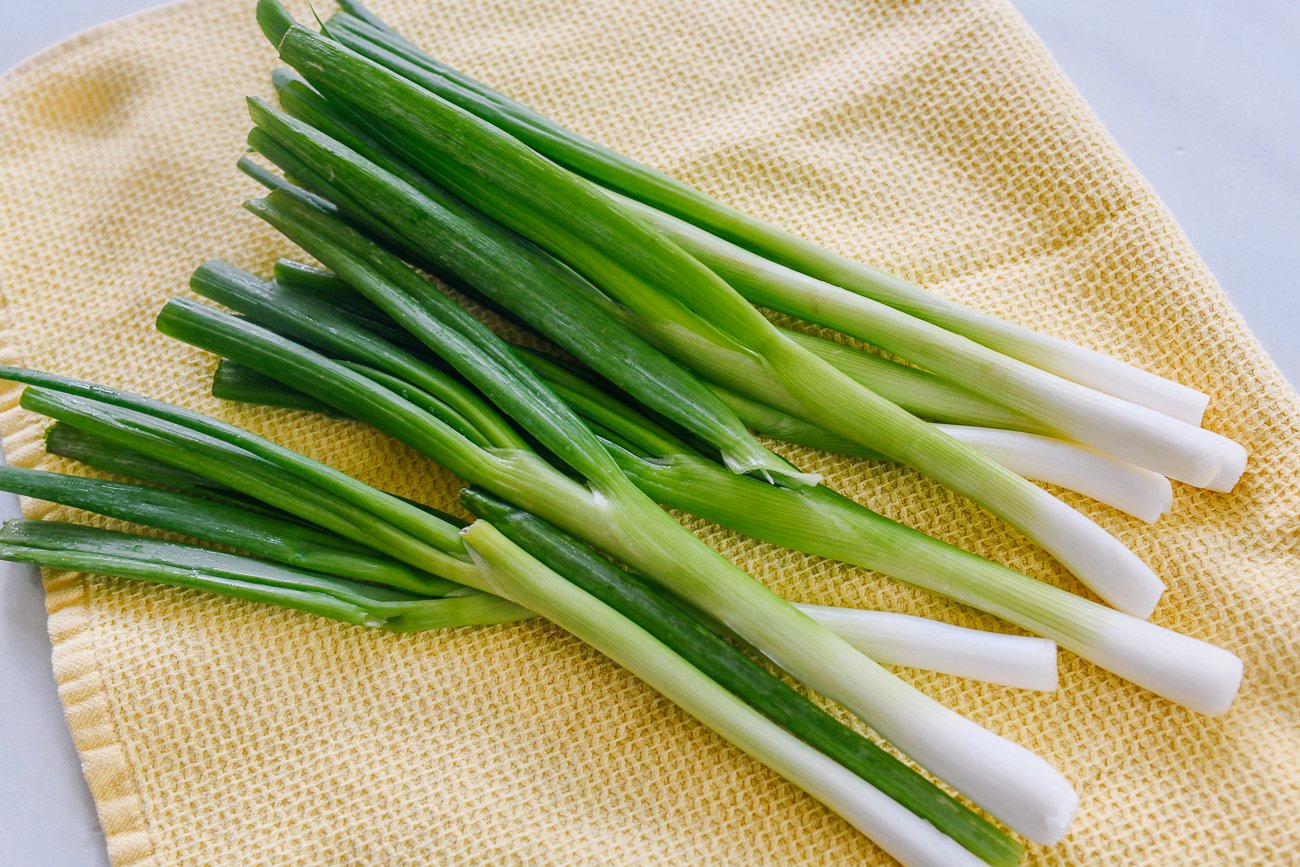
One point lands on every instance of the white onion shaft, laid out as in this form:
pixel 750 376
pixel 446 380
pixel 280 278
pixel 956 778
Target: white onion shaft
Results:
pixel 917 642
pixel 1133 490
pixel 1091 368
pixel 1194 673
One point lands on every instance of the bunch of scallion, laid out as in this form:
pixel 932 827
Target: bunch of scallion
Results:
pixel 349 167
pixel 445 157
pixel 664 375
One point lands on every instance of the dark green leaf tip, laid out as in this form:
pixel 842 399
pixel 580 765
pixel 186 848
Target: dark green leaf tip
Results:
pixel 316 15
pixel 283 75
pixel 274 20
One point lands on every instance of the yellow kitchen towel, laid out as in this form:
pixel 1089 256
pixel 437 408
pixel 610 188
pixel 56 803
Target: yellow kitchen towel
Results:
pixel 936 139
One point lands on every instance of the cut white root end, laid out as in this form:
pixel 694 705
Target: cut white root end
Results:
pixel 916 642
pixel 1133 490
pixel 1229 473
pixel 1012 783
pixel 1192 672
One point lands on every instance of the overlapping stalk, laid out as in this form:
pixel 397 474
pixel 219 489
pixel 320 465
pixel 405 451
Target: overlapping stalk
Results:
pixel 715 657
pixel 596 331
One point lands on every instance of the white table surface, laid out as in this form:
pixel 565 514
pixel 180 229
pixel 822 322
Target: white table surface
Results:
pixel 1204 97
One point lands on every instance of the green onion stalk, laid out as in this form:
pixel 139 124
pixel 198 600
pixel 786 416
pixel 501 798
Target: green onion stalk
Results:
pixel 697 318
pixel 844 770
pixel 917 391
pixel 66 441
pixel 891 638
pixel 603 507
pixel 362 32
pixel 270 536
pixel 1132 490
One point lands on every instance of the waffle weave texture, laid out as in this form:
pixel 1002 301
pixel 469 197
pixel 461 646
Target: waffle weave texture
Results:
pixel 935 139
